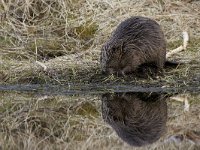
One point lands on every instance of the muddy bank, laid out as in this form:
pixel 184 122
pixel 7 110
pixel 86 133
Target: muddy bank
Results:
pixel 70 89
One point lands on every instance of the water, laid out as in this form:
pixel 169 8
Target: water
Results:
pixel 78 118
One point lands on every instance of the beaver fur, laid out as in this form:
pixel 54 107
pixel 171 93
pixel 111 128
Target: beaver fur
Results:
pixel 136 41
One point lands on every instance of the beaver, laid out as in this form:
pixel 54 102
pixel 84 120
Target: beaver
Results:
pixel 138 118
pixel 136 41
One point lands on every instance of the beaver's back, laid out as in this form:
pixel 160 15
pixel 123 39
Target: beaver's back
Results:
pixel 135 41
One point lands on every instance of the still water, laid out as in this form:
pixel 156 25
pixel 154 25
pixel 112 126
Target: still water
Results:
pixel 105 120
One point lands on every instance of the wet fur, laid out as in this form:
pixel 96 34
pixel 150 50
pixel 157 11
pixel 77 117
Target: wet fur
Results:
pixel 136 41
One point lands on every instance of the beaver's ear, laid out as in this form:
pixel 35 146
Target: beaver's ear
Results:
pixel 119 47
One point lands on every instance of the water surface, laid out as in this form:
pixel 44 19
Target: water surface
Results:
pixel 114 119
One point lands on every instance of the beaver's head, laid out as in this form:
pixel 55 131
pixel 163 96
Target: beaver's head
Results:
pixel 111 57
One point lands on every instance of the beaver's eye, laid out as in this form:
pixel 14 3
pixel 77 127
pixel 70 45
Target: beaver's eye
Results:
pixel 114 49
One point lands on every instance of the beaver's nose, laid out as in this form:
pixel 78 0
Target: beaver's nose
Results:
pixel 110 71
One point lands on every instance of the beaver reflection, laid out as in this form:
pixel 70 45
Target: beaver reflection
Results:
pixel 138 118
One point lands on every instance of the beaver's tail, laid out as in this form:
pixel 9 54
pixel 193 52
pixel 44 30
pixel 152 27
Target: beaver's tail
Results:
pixel 172 64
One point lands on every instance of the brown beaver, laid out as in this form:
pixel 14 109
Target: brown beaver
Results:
pixel 136 41
pixel 138 118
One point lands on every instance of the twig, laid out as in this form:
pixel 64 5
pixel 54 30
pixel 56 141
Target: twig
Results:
pixel 180 48
pixel 183 99
pixel 42 65
pixel 185 39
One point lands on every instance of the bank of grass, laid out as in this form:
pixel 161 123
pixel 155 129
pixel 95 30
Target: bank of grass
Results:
pixel 66 36
pixel 30 121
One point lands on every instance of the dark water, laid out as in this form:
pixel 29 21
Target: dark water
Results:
pixel 54 118
pixel 140 118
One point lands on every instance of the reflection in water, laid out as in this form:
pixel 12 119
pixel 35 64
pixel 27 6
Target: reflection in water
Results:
pixel 138 118
pixel 37 121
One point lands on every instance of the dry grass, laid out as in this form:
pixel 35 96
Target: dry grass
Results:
pixel 67 36
pixel 30 121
